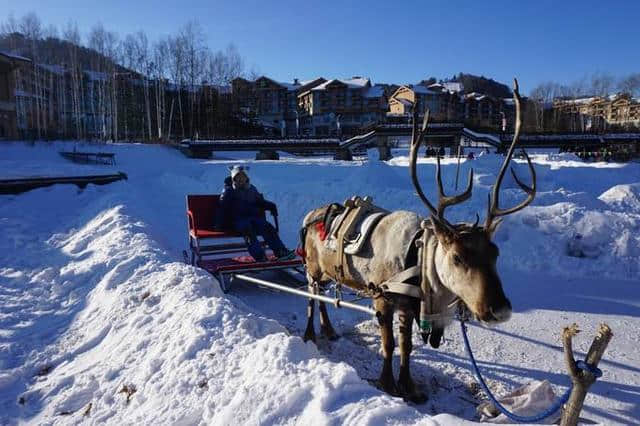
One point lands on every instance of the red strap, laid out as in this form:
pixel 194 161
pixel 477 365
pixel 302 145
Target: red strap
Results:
pixel 300 252
pixel 322 232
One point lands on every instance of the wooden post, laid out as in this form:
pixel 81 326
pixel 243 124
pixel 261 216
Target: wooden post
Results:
pixel 458 167
pixel 581 379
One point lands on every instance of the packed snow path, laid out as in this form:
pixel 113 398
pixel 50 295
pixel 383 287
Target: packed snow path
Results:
pixel 100 321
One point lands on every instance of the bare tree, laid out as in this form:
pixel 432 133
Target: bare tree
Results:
pixel 8 29
pixel 602 84
pixel 223 67
pixel 72 36
pixel 630 84
pixel 159 69
pixel 105 43
pixel 177 72
pixel 542 95
pixel 195 53
pixel 31 27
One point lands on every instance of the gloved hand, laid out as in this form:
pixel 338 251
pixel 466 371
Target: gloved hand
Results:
pixel 268 205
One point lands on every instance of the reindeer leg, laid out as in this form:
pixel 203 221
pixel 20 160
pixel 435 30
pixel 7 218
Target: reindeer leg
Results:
pixel 310 333
pixel 325 324
pixel 406 386
pixel 385 319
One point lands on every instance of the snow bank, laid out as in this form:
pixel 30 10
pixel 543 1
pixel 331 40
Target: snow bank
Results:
pixel 121 334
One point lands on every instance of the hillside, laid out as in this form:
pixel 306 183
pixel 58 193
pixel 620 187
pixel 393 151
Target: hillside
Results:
pixel 55 51
pixel 481 84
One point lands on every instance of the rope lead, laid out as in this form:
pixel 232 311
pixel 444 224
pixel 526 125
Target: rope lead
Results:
pixel 523 419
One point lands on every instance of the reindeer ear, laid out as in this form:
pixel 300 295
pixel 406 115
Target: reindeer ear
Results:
pixel 443 234
pixel 493 227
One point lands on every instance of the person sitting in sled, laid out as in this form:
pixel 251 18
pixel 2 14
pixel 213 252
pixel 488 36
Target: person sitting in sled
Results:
pixel 242 204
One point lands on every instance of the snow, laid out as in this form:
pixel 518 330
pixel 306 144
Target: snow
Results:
pixel 14 56
pixel 351 83
pixel 102 322
pixel 376 91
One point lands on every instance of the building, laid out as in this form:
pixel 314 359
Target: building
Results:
pixel 270 103
pixel 341 107
pixel 8 109
pixel 441 99
pixel 597 113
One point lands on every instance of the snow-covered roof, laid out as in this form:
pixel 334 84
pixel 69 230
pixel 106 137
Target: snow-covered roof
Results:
pixel 580 101
pixel 375 91
pixel 96 75
pixel 286 85
pixel 476 96
pixel 351 83
pixel 55 69
pixel 289 86
pixel 451 87
pixel 305 82
pixel 406 102
pixel 14 56
pixel 418 88
pixel 23 94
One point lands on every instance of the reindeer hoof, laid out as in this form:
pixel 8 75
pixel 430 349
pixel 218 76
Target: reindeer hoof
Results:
pixel 329 333
pixel 309 335
pixel 387 386
pixel 417 397
pixel 412 394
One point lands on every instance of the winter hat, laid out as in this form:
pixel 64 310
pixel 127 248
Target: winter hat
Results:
pixel 237 169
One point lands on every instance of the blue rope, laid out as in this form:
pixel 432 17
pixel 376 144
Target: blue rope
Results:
pixel 524 419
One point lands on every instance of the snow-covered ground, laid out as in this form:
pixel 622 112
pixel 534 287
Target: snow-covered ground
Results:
pixel 102 322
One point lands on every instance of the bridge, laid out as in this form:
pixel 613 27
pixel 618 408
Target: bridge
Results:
pixel 267 148
pixel 384 136
pixel 374 137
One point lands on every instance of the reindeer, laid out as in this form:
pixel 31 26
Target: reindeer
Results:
pixel 458 266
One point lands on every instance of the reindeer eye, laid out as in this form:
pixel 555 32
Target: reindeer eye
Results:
pixel 456 260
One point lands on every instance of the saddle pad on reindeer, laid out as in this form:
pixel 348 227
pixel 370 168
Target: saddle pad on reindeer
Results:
pixel 360 233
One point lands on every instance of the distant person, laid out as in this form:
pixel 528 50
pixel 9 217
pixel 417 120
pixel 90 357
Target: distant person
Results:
pixel 243 205
pixel 441 152
pixel 470 156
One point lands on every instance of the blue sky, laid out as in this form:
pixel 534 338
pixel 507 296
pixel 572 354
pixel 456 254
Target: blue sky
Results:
pixel 388 41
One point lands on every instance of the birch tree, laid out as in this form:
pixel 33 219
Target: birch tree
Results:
pixel 72 36
pixel 159 67
pixel 177 72
pixel 195 52
pixel 31 27
pixel 224 66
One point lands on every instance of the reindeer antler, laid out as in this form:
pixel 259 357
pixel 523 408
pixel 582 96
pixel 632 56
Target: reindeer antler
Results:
pixel 444 201
pixel 493 208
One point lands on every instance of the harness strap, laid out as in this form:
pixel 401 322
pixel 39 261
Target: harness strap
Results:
pixel 396 283
pixel 402 276
pixel 402 288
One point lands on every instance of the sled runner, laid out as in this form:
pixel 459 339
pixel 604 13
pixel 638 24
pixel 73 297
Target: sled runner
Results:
pixel 220 252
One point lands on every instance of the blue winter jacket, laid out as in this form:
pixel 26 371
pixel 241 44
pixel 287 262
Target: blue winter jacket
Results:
pixel 240 203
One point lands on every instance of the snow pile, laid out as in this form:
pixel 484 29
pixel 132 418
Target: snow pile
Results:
pixel 565 156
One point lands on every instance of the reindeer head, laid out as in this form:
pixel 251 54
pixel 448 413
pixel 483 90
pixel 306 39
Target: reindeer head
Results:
pixel 465 256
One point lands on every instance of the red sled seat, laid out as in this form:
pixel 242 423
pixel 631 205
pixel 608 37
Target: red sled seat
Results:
pixel 201 216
